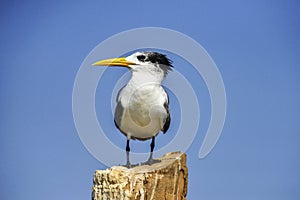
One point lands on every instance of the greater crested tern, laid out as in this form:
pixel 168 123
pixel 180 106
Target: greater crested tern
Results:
pixel 142 109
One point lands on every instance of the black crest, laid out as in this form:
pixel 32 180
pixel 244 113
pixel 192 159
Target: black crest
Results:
pixel 158 58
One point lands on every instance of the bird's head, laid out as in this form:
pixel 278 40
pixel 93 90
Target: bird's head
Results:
pixel 152 62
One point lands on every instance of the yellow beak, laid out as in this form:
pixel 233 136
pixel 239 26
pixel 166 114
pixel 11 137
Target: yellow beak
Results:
pixel 114 62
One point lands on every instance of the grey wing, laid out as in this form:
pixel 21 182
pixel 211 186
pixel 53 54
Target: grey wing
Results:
pixel 119 110
pixel 118 114
pixel 168 119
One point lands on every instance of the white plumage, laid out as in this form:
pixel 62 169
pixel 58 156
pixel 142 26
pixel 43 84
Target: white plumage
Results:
pixel 142 105
pixel 144 113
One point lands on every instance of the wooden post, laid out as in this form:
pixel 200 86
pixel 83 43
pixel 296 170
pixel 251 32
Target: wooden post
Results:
pixel 167 179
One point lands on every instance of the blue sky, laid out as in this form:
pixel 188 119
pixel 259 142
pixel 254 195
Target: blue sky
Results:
pixel 255 45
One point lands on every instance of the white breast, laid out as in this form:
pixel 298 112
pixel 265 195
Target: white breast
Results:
pixel 144 113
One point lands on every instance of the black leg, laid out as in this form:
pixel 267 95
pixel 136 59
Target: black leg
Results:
pixel 127 146
pixel 151 160
pixel 152 145
pixel 127 154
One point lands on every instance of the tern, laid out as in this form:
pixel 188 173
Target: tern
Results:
pixel 142 109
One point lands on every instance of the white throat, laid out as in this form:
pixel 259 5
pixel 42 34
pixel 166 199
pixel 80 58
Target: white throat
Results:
pixel 146 75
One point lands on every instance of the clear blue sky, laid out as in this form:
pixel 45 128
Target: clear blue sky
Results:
pixel 255 45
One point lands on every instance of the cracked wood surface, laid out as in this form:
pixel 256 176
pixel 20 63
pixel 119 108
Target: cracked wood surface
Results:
pixel 166 180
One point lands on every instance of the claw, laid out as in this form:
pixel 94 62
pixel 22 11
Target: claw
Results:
pixel 151 161
pixel 128 165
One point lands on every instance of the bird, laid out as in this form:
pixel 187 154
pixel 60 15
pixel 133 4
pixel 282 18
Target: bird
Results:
pixel 142 109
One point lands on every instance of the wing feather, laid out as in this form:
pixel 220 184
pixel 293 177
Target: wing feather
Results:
pixel 168 119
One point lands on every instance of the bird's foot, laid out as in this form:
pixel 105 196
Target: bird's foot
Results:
pixel 129 165
pixel 151 161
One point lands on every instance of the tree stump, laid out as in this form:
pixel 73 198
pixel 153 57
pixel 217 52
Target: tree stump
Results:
pixel 167 179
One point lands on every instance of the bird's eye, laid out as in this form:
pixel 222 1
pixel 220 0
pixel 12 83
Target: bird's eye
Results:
pixel 141 58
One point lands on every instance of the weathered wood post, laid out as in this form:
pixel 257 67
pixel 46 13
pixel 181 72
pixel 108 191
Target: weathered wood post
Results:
pixel 167 179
